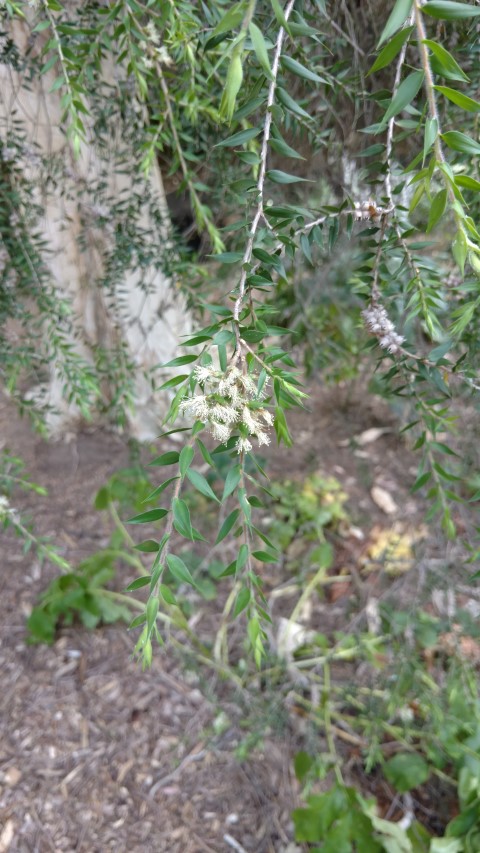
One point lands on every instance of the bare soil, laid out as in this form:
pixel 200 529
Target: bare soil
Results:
pixel 96 755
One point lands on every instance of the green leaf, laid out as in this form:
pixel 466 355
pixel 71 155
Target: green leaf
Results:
pixel 398 16
pixel 138 583
pixel 406 770
pixel 202 485
pixel 300 70
pixel 460 141
pixel 439 352
pixel 281 147
pixel 206 455
pixel 431 133
pixel 265 557
pixel 242 558
pixel 391 50
pixel 460 249
pixel 447 10
pixel 228 257
pixel 179 570
pixel 151 612
pixel 186 455
pixel 404 95
pixel 421 480
pixel 159 490
pixel 150 515
pixel 238 138
pixel 171 383
pixel 181 516
pixel 232 85
pixel 279 177
pixel 102 498
pixel 167 594
pixel 248 108
pixel 279 14
pixel 227 526
pixel 245 506
pixel 260 48
pixel 303 763
pixel 467 182
pixel 231 481
pixel 288 102
pixel 198 339
pixel 306 248
pixel 459 99
pixel 439 203
pixel 170 458
pixel 182 359
pixel 148 546
pixel 242 601
pixel 43 25
pixel 230 21
pixel 447 64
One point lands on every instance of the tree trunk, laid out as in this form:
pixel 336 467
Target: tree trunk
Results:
pixel 104 229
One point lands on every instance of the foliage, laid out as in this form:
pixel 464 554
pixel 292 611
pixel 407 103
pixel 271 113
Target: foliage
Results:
pixel 81 592
pixel 306 509
pixel 426 711
pixel 250 57
pixel 226 94
pixel 12 477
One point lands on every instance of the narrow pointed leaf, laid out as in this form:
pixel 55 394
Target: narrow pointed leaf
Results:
pixel 179 570
pixel 182 359
pixel 181 516
pixel 149 516
pixel 447 66
pixel 281 147
pixel 398 16
pixel 459 99
pixel 431 132
pixel 227 526
pixel 289 103
pixel 279 177
pixel 148 546
pixel 461 142
pixel 279 14
pixel 186 455
pixel 202 485
pixel 238 138
pixel 404 95
pixel 390 50
pixel 242 601
pixel 138 583
pixel 159 490
pixel 437 209
pixel 231 481
pixel 260 48
pixel 448 10
pixel 300 70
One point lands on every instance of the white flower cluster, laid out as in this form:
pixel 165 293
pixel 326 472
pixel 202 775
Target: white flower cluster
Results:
pixel 230 403
pixel 369 210
pixel 5 508
pixel 377 322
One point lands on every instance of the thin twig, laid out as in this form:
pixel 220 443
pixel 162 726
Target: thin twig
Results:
pixel 259 213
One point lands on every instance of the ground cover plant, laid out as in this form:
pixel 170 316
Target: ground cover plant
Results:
pixel 225 96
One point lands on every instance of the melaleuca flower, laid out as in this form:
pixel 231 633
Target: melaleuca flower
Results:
pixel 221 432
pixel 230 402
pixel 243 445
pixel 225 414
pixel 378 323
